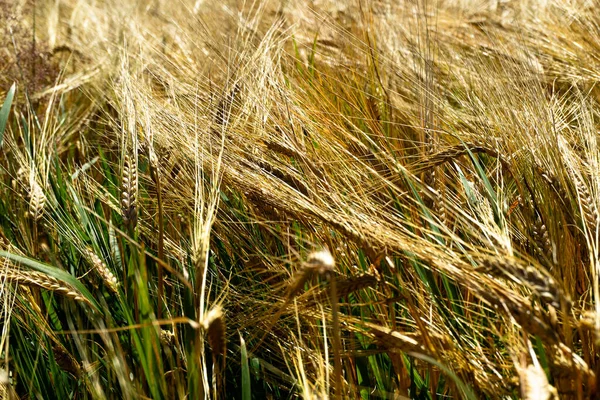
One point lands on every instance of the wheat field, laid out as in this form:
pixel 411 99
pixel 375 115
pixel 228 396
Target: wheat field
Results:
pixel 315 199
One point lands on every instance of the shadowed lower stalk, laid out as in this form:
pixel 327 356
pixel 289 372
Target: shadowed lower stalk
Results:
pixel 337 361
pixel 154 172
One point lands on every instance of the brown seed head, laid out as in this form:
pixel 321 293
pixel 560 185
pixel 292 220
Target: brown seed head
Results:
pixel 214 326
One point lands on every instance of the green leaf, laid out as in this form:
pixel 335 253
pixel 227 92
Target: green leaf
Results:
pixel 53 272
pixel 5 110
pixel 543 358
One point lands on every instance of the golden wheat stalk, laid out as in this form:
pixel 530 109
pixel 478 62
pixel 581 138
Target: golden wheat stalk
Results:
pixel 167 338
pixel 392 339
pixel 588 207
pixel 214 326
pixel 540 282
pixel 215 329
pixel 155 174
pixel 129 190
pixel 319 262
pixel 541 237
pixel 344 288
pixel 107 276
pixel 452 153
pixel 41 280
pixel 65 360
pixel 226 105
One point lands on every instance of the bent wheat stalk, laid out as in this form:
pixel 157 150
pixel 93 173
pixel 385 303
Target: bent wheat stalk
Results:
pixel 319 263
pixel 41 280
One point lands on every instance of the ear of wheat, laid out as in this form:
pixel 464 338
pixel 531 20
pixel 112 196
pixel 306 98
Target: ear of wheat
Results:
pixel 37 200
pixel 214 326
pixel 107 276
pixel 44 281
pixel 541 283
pixel 66 361
pixel 129 187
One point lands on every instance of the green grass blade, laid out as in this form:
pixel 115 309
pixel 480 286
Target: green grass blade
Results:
pixel 5 111
pixel 246 391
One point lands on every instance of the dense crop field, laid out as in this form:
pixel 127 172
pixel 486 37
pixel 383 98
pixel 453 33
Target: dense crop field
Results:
pixel 314 199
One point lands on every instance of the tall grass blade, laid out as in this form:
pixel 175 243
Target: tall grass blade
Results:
pixel 246 388
pixel 5 111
